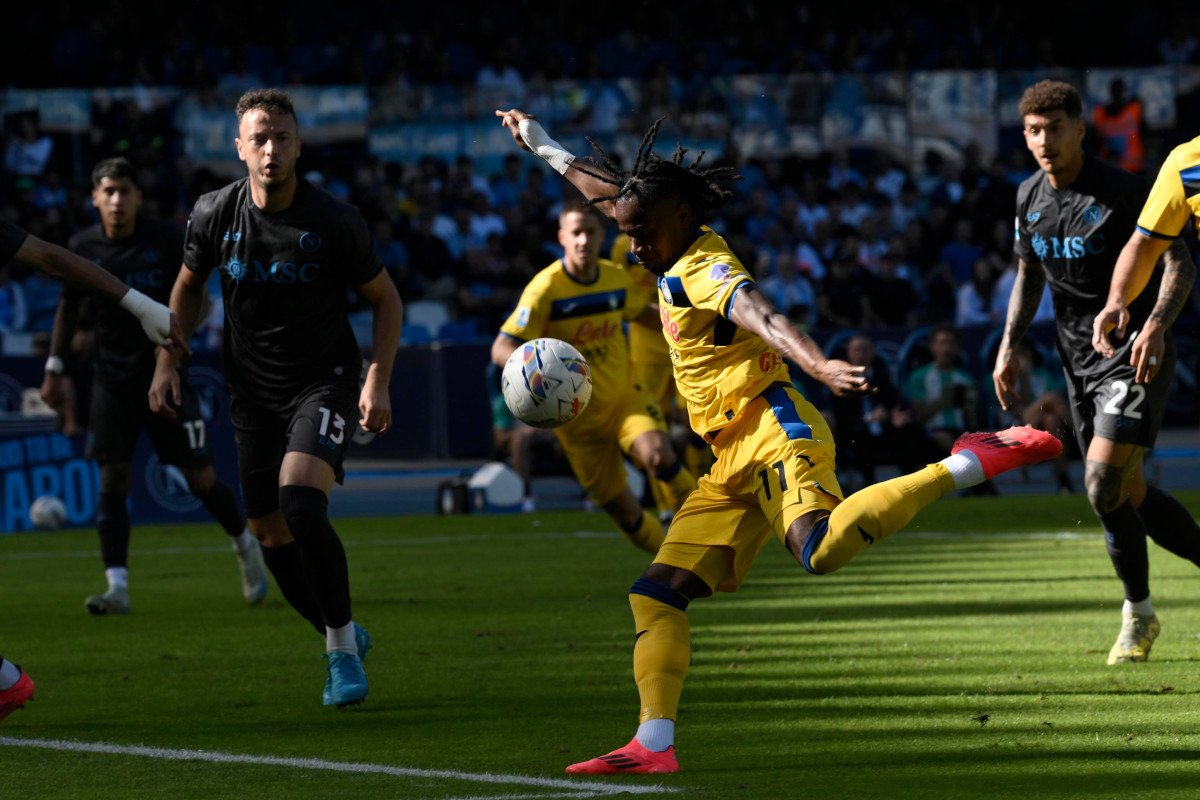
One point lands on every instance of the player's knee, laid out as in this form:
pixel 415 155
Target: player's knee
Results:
pixel 1104 486
pixel 271 530
pixel 803 540
pixel 115 478
pixel 686 583
pixel 305 508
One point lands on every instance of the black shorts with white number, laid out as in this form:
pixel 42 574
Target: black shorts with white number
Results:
pixel 320 423
pixel 1114 406
pixel 120 411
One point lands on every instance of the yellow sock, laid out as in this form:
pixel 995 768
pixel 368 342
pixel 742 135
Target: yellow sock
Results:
pixel 661 654
pixel 875 513
pixel 648 535
pixel 675 489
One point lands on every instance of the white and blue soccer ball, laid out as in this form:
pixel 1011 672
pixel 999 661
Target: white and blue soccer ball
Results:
pixel 546 383
pixel 48 513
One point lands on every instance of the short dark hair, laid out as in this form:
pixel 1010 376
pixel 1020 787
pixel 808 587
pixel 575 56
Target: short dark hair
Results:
pixel 945 327
pixel 115 168
pixel 653 178
pixel 1046 96
pixel 578 205
pixel 273 101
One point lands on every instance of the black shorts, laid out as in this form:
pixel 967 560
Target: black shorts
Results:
pixel 119 412
pixel 320 423
pixel 1113 406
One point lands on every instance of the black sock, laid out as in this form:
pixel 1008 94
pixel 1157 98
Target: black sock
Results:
pixel 1170 525
pixel 112 523
pixel 223 505
pixel 1125 536
pixel 287 565
pixel 306 510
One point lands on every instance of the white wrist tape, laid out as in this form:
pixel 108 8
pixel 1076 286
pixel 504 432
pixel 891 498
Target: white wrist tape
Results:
pixel 54 365
pixel 154 316
pixel 540 143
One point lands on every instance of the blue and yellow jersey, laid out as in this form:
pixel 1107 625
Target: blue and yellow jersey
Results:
pixel 589 316
pixel 1175 197
pixel 719 367
pixel 646 345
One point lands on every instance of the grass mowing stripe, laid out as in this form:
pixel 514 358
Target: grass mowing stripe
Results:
pixel 214 757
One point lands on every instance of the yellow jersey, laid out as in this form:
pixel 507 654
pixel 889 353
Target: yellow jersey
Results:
pixel 719 367
pixel 645 344
pixel 589 316
pixel 1175 197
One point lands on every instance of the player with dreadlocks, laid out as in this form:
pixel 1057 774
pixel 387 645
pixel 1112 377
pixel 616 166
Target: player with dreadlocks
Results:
pixel 774 474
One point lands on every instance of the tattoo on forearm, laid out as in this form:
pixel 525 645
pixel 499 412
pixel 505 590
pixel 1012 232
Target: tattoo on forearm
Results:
pixel 1023 305
pixel 1179 275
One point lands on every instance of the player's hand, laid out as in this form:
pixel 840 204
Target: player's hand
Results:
pixel 1147 353
pixel 1005 375
pixel 511 119
pixel 176 341
pixel 164 391
pixel 1111 318
pixel 845 379
pixel 52 390
pixel 375 405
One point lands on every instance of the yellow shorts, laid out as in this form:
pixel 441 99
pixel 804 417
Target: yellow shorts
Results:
pixel 595 452
pixel 775 463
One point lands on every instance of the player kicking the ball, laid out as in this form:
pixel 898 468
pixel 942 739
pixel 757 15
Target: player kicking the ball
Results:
pixel 583 299
pixel 774 474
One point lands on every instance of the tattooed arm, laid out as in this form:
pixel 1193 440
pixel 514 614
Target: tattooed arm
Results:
pixel 1022 306
pixel 1134 267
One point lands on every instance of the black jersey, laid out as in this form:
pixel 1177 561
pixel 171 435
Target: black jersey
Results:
pixel 11 239
pixel 1076 234
pixel 284 278
pixel 147 260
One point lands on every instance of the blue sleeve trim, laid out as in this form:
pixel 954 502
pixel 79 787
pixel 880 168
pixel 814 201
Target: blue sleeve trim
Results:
pixel 516 339
pixel 732 294
pixel 1157 235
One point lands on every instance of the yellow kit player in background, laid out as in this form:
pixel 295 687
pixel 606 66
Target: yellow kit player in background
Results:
pixel 774 474
pixel 651 360
pixel 583 300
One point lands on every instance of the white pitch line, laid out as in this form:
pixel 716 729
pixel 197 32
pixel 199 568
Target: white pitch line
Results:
pixel 455 539
pixel 576 788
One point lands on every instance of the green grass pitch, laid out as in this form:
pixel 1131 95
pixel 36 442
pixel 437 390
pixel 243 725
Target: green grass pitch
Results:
pixel 961 658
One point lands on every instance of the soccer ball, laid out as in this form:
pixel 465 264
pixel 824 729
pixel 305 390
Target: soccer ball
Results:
pixel 48 513
pixel 546 383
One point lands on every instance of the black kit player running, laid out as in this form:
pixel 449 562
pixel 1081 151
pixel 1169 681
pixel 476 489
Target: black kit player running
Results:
pixel 143 255
pixel 1074 217
pixel 288 253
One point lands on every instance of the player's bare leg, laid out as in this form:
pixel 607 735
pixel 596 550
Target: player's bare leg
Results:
pixel 652 452
pixel 639 526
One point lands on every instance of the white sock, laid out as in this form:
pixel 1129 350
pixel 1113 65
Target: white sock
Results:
pixel 1143 608
pixel 341 640
pixel 965 468
pixel 656 735
pixel 118 577
pixel 243 541
pixel 10 673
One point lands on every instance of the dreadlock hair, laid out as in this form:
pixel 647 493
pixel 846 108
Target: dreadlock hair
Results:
pixel 653 178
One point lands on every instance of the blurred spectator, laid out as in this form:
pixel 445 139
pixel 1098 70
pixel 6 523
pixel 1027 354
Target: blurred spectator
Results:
pixel 1043 405
pixel 975 298
pixel 790 292
pixel 1120 127
pixel 943 394
pixel 28 149
pixel 841 302
pixel 13 314
pixel 961 252
pixel 891 300
pixel 877 428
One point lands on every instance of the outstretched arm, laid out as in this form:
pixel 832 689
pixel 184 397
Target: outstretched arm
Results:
pixel 752 311
pixel 1022 306
pixel 529 134
pixel 62 265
